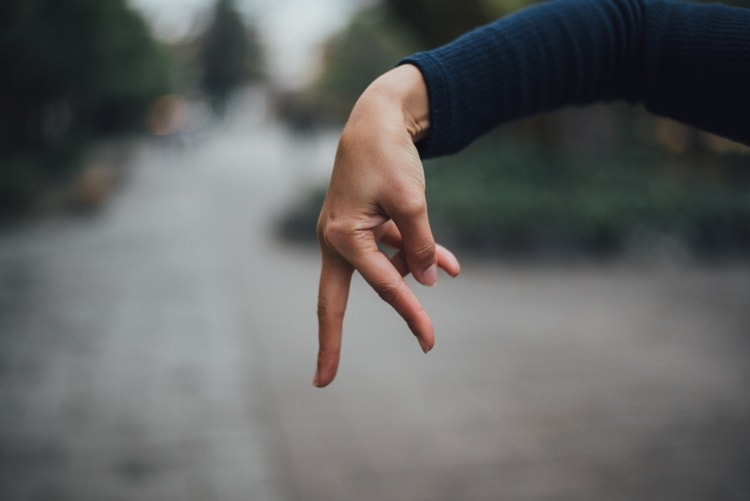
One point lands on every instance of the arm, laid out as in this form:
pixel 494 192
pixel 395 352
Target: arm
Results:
pixel 687 61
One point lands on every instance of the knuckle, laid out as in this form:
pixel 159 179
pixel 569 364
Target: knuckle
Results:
pixel 405 199
pixel 325 353
pixel 326 312
pixel 413 204
pixel 390 292
pixel 332 233
pixel 423 254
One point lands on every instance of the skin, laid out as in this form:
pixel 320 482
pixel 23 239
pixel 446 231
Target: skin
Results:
pixel 377 195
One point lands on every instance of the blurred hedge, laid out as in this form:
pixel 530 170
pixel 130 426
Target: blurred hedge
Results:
pixel 509 196
pixel 504 196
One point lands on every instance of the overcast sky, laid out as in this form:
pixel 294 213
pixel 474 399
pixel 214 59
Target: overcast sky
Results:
pixel 293 30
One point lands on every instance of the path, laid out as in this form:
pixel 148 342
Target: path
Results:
pixel 164 348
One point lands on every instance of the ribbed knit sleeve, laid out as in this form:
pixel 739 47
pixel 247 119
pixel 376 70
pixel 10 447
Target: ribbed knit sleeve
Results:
pixel 690 62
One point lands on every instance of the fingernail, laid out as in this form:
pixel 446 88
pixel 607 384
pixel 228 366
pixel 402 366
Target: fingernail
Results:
pixel 316 379
pixel 423 344
pixel 430 275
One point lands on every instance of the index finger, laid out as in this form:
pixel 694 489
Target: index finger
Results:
pixel 333 293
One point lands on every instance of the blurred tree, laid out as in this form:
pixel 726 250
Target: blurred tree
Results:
pixel 372 43
pixel 81 67
pixel 230 55
pixel 72 72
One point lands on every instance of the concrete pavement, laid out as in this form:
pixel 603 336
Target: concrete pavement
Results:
pixel 164 349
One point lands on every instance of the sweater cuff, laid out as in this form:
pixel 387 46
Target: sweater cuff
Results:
pixel 439 140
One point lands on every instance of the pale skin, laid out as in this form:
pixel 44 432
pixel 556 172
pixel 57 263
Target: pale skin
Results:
pixel 377 195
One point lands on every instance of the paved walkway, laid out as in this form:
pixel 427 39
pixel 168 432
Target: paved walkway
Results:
pixel 164 349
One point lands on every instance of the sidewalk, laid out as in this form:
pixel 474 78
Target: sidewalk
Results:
pixel 164 349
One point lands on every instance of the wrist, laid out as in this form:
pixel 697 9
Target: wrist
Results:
pixel 403 91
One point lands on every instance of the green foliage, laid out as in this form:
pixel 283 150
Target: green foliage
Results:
pixel 506 196
pixel 231 54
pixel 72 72
pixel 93 63
pixel 503 195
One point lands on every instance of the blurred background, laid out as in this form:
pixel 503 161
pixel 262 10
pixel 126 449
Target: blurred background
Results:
pixel 162 164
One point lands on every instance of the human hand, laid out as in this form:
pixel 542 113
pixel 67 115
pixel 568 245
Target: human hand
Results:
pixel 377 195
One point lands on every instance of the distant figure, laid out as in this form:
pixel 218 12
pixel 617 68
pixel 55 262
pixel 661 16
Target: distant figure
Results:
pixel 689 62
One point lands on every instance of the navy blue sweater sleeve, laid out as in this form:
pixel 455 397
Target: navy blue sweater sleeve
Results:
pixel 690 62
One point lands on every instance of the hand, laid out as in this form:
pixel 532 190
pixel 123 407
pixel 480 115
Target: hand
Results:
pixel 377 195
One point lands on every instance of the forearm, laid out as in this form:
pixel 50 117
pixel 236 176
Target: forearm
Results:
pixel 686 61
